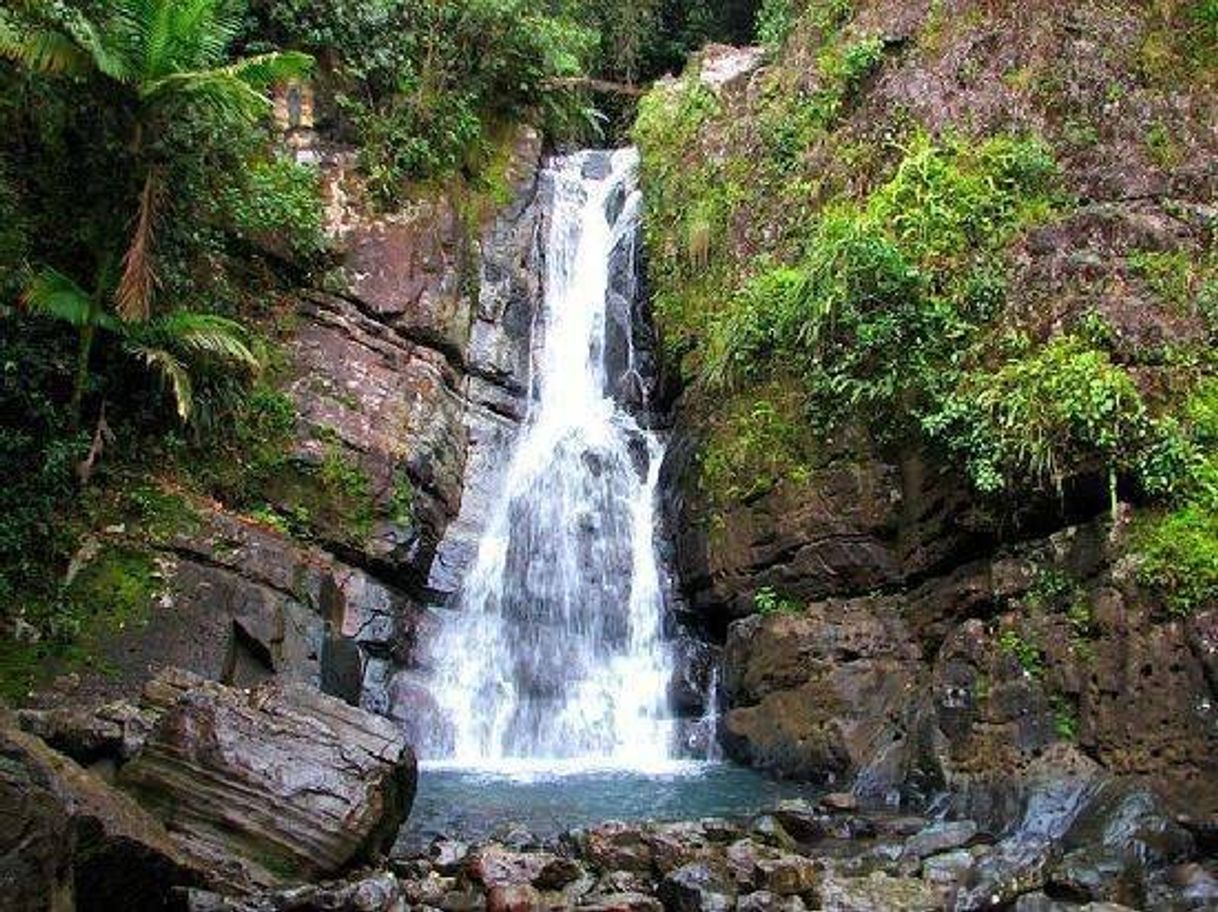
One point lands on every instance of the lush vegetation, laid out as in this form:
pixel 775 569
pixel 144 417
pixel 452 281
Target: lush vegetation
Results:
pixel 834 276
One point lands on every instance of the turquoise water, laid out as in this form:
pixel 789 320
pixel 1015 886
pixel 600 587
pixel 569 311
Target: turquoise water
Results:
pixel 474 804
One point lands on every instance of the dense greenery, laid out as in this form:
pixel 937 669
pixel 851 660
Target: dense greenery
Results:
pixel 834 277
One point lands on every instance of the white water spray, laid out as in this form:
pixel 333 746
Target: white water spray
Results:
pixel 554 654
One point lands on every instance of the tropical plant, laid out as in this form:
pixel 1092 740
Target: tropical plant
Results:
pixel 173 346
pixel 167 55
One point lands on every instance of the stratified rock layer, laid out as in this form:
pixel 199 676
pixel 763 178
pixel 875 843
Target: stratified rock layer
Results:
pixel 290 782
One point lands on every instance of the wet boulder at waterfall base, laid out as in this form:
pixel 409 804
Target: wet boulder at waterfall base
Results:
pixel 282 782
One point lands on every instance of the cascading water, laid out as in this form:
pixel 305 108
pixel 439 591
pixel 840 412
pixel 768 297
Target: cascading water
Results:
pixel 554 651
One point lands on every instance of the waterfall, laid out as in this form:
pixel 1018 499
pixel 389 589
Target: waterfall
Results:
pixel 553 650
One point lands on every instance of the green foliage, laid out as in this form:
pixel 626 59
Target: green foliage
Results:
pixel 767 601
pixel 759 444
pixel 890 290
pixel 278 203
pixel 1025 652
pixel 420 84
pixel 1065 718
pixel 1179 556
pixel 1043 416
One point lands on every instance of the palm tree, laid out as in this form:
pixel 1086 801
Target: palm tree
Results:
pixel 168 54
pixel 173 346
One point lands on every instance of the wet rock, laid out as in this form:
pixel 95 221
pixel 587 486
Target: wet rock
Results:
pixel 675 844
pixel 1096 873
pixel 764 901
pixel 513 898
pixel 702 886
pixel 693 665
pixel 834 692
pixel 941 837
pixel 801 819
pixel 1012 867
pixel 558 873
pixel 67 834
pixel 622 902
pixel 743 859
pixel 849 826
pixel 839 802
pixel 876 891
pixel 623 882
pixel 787 875
pixel 285 780
pixel 114 731
pixel 767 829
pixel 1133 824
pixel 494 866
pixel 945 873
pixel 1194 884
pixel 429 890
pixel 448 855
pixel 616 846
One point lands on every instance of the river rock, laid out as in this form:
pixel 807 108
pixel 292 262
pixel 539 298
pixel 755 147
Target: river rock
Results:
pixel 617 846
pixel 1096 873
pixel 71 841
pixel 801 819
pixel 1014 866
pixel 622 902
pixel 703 886
pixel 876 891
pixel 767 829
pixel 513 898
pixel 940 837
pixel 494 866
pixel 291 782
pixel 765 901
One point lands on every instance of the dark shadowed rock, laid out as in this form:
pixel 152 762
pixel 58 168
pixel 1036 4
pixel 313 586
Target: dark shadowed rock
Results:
pixel 288 781
pixel 70 841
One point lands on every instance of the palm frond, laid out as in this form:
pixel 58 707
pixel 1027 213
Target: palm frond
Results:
pixel 265 70
pixel 133 298
pixel 208 335
pixel 172 372
pixel 44 50
pixel 215 90
pixel 52 294
pixel 110 59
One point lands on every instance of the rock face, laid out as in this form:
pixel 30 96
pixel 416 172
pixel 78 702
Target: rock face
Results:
pixel 293 783
pixel 411 380
pixel 72 842
pixel 977 665
pixel 968 679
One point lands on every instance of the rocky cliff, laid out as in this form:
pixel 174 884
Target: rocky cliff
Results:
pixel 405 379
pixel 890 620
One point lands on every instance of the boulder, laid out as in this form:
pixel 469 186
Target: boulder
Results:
pixel 287 781
pixel 622 902
pixel 876 891
pixel 764 901
pixel 703 886
pixel 940 837
pixel 1015 866
pixel 71 841
pixel 617 846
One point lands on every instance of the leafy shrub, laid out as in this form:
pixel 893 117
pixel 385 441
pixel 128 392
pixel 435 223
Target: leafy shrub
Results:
pixel 767 601
pixel 278 201
pixel 1043 416
pixel 1179 557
